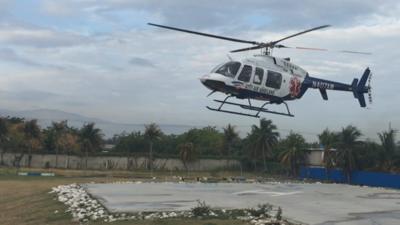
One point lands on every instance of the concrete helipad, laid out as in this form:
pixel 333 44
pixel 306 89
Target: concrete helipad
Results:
pixel 309 203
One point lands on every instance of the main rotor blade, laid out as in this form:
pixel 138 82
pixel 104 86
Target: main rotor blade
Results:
pixel 355 52
pixel 323 49
pixel 248 49
pixel 303 32
pixel 204 34
pixel 301 48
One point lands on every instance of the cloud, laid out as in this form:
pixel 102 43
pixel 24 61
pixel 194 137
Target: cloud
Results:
pixel 58 8
pixel 275 14
pixel 225 16
pixel 137 61
pixel 29 95
pixel 5 4
pixel 39 37
pixel 7 54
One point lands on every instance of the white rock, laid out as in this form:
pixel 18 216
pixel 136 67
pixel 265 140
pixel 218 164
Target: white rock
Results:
pixel 80 216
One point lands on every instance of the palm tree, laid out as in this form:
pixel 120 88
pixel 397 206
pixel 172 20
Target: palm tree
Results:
pixel 16 140
pixel 230 136
pixel 32 135
pixel 68 142
pixel 58 129
pixel 328 139
pixel 152 133
pixel 3 137
pixel 294 152
pixel 388 142
pixel 187 153
pixel 264 138
pixel 91 139
pixel 347 149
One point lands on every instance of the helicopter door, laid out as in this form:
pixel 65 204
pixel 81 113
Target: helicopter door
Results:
pixel 274 80
pixel 245 74
pixel 258 76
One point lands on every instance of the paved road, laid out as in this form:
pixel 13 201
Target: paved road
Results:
pixel 327 204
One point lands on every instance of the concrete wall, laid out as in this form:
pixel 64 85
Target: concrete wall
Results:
pixel 115 162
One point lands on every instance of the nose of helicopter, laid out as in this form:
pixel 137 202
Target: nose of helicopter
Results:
pixel 204 78
pixel 213 82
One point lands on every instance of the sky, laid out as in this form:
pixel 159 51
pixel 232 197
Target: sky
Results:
pixel 100 59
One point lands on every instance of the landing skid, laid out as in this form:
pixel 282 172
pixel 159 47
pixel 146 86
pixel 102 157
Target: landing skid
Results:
pixel 249 107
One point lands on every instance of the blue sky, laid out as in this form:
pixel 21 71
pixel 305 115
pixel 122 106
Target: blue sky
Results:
pixel 100 59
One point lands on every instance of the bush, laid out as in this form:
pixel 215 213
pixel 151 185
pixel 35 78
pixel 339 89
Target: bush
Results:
pixel 278 215
pixel 262 210
pixel 202 209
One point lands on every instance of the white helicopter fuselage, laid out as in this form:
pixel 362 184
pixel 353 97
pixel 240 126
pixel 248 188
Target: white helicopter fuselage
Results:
pixel 261 77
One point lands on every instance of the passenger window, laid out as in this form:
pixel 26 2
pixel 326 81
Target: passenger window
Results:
pixel 245 74
pixel 274 80
pixel 258 76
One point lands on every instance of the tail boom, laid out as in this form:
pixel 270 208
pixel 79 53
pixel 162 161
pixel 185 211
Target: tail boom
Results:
pixel 357 87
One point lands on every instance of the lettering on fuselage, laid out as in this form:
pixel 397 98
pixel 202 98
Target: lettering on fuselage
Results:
pixel 259 89
pixel 322 85
pixel 289 65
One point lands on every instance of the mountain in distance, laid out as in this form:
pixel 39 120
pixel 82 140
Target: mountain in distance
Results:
pixel 46 116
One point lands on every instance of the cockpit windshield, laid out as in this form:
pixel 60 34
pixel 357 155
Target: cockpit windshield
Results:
pixel 229 69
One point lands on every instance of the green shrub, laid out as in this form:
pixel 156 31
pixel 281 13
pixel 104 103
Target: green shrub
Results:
pixel 201 210
pixel 261 210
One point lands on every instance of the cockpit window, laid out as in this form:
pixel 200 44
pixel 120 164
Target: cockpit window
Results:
pixel 229 69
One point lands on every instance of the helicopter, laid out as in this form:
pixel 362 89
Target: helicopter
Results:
pixel 270 79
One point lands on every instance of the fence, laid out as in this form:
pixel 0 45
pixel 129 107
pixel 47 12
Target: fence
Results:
pixel 374 179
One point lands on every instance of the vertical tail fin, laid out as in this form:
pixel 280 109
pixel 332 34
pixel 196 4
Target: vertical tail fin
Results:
pixel 359 88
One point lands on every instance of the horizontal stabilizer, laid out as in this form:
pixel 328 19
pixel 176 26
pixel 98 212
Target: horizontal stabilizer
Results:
pixel 361 100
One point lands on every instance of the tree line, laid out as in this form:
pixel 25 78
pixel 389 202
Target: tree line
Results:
pixel 263 149
pixel 25 137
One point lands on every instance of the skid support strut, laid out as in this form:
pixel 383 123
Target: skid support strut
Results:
pixel 249 107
